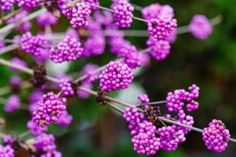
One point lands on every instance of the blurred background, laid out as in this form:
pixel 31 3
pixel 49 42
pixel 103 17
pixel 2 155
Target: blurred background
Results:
pixel 211 64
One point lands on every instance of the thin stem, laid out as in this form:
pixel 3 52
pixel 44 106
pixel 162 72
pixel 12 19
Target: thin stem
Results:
pixel 6 90
pixel 27 18
pixel 157 102
pixel 8 48
pixel 12 14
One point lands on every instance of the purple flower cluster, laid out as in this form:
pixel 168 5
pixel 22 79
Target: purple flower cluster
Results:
pixel 123 13
pixel 94 45
pixel 200 27
pixel 80 15
pixel 12 104
pixel 142 132
pixel 6 5
pixel 176 100
pixel 115 76
pixel 159 49
pixel 28 4
pixel 216 136
pixel 34 45
pixel 66 87
pixel 6 151
pixel 49 110
pixel 46 19
pixel 160 28
pixel 47 146
pixel 155 10
pixel 69 49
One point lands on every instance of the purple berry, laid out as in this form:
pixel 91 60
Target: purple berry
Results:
pixel 216 136
pixel 200 27
pixel 12 104
pixel 69 49
pixel 123 13
pixel 116 76
pixel 49 110
pixel 161 28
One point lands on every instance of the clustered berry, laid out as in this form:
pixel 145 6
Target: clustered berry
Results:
pixel 142 132
pixel 34 45
pixel 216 136
pixel 143 119
pixel 116 76
pixel 66 87
pixel 46 145
pixel 160 28
pixel 35 129
pixel 80 15
pixel 176 100
pixel 46 19
pixel 23 26
pixel 69 49
pixel 6 151
pixel 200 27
pixel 123 13
pixel 12 104
pixel 94 45
pixel 65 119
pixel 28 4
pixel 6 5
pixel 49 110
pixel 159 49
pixel 144 99
pixel 170 137
pixel 155 10
pixel 94 4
